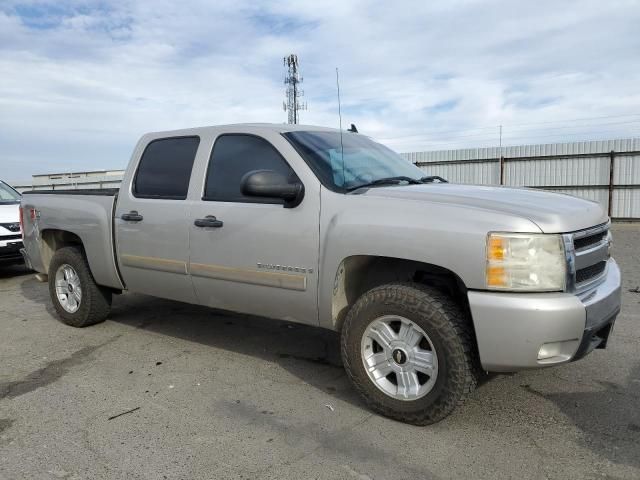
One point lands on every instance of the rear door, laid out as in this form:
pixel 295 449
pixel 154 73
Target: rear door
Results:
pixel 152 219
pixel 260 257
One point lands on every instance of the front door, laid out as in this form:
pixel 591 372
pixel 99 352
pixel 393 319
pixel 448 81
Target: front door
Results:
pixel 256 256
pixel 152 221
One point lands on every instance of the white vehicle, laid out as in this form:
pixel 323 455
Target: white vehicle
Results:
pixel 10 234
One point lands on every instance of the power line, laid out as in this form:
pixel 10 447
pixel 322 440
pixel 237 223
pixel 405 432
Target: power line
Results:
pixel 507 127
pixel 567 134
pixel 505 136
pixel 588 125
pixel 493 127
pixel 575 120
pixel 506 133
pixel 493 141
pixel 496 136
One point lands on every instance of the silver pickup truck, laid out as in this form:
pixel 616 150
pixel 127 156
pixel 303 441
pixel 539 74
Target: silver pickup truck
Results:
pixel 430 284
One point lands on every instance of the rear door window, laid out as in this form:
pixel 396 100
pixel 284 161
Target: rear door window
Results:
pixel 165 168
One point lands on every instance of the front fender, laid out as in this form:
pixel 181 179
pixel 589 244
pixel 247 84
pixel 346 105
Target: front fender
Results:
pixel 447 236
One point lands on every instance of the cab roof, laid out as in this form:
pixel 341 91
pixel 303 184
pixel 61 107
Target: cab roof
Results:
pixel 249 127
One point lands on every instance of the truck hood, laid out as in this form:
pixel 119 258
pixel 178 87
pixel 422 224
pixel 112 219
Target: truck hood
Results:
pixel 552 212
pixel 9 213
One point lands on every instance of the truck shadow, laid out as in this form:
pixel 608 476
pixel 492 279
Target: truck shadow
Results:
pixel 13 270
pixel 309 353
pixel 609 417
pixel 36 291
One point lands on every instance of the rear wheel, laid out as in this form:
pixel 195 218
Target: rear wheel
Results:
pixel 78 300
pixel 410 353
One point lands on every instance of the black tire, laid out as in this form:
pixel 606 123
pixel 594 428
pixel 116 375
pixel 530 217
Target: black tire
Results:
pixel 95 303
pixel 449 330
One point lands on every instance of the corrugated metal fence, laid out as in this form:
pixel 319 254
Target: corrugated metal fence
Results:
pixel 605 171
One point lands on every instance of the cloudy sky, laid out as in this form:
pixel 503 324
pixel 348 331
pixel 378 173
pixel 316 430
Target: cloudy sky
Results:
pixel 81 80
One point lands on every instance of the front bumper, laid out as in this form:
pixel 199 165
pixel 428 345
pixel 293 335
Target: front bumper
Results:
pixel 10 251
pixel 516 331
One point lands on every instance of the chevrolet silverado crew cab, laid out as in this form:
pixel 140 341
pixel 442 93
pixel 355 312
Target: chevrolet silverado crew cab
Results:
pixel 10 234
pixel 430 284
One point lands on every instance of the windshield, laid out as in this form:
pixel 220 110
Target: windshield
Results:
pixel 365 161
pixel 8 194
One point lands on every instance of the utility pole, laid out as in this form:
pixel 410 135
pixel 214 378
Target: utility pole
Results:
pixel 293 79
pixel 501 159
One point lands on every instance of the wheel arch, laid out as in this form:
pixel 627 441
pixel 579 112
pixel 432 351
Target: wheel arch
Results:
pixel 357 274
pixel 54 239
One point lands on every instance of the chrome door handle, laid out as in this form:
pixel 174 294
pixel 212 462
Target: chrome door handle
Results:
pixel 208 221
pixel 132 216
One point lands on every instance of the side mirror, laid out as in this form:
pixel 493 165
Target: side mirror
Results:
pixel 270 184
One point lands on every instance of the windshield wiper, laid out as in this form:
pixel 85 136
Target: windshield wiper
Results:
pixel 433 178
pixel 386 181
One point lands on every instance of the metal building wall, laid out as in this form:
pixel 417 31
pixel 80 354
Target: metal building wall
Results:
pixel 74 180
pixel 582 169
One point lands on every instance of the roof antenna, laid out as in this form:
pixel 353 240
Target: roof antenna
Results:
pixel 353 128
pixel 340 119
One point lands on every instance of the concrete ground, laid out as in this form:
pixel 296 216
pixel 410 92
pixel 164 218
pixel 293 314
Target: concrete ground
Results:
pixel 213 395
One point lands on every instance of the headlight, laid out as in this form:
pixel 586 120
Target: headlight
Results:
pixel 525 262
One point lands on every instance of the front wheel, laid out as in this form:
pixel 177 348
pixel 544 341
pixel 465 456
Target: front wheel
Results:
pixel 409 351
pixel 78 300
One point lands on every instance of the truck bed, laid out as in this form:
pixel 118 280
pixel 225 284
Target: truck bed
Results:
pixel 85 214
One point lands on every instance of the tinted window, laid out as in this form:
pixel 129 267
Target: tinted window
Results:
pixel 165 168
pixel 235 155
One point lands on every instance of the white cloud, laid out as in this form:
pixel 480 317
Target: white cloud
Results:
pixel 81 80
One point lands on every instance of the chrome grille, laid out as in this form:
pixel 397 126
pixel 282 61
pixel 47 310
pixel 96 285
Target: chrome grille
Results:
pixel 591 252
pixel 12 227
